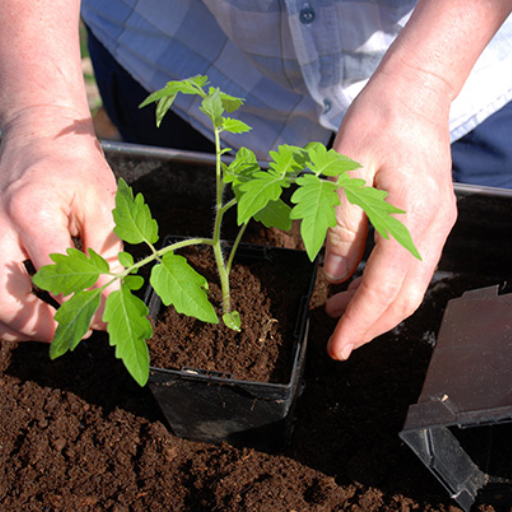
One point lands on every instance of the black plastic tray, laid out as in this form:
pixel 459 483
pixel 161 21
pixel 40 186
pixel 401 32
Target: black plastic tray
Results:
pixel 461 426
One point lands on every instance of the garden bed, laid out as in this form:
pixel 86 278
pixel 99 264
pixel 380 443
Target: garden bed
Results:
pixel 78 434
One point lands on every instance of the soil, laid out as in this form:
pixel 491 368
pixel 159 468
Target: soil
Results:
pixel 263 349
pixel 77 434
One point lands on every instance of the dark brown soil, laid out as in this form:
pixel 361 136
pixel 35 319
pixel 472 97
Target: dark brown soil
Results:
pixel 267 296
pixel 77 434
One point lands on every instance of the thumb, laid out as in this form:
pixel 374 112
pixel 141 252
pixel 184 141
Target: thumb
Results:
pixel 345 242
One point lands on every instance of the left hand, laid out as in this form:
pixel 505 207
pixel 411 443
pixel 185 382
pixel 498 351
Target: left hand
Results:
pixel 401 138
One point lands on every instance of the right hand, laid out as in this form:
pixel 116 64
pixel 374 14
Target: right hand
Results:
pixel 55 184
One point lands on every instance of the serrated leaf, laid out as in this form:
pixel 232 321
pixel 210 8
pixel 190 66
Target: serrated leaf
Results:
pixel 74 319
pixel 378 210
pixel 276 214
pixel 126 259
pixel 177 283
pixel 256 193
pixel 315 200
pixel 134 223
pixel 243 166
pixel 193 85
pixel 129 328
pixel 232 320
pixel 290 160
pixel 235 126
pixel 212 107
pixel 71 272
pixel 330 163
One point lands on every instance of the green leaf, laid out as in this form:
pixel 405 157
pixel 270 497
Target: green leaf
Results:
pixel 134 223
pixel 232 320
pixel 71 272
pixel 276 214
pixel 177 283
pixel 212 107
pixel 235 126
pixel 290 160
pixel 74 318
pixel 129 328
pixel 315 200
pixel 230 103
pixel 162 107
pixel 126 259
pixel 330 163
pixel 134 282
pixel 378 210
pixel 193 85
pixel 256 193
pixel 243 166
pixel 165 96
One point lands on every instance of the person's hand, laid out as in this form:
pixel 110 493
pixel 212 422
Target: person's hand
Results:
pixel 401 137
pixel 55 185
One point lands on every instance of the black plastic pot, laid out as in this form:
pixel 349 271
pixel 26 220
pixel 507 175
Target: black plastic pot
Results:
pixel 211 406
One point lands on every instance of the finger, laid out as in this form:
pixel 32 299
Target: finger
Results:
pixel 345 242
pixel 337 304
pixel 23 316
pixel 391 289
pixel 97 234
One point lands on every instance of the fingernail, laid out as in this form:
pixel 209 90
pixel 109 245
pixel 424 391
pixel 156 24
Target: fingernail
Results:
pixel 347 350
pixel 335 267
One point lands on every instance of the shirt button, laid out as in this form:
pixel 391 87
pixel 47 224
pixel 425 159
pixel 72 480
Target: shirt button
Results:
pixel 327 105
pixel 307 15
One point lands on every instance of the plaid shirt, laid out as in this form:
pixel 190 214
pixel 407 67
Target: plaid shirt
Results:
pixel 298 63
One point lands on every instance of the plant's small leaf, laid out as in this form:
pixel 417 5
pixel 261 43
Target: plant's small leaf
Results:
pixel 177 283
pixel 329 163
pixel 193 85
pixel 74 319
pixel 129 328
pixel 230 103
pixel 315 200
pixel 275 215
pixel 232 320
pixel 289 160
pixel 212 107
pixel 126 259
pixel 134 282
pixel 134 223
pixel 164 92
pixel 379 211
pixel 244 165
pixel 256 193
pixel 235 126
pixel 313 145
pixel 71 272
pixel 162 107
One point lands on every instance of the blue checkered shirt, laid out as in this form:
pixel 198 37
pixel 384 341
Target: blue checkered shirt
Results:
pixel 298 63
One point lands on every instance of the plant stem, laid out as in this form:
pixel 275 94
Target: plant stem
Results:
pixel 234 248
pixel 156 255
pixel 219 215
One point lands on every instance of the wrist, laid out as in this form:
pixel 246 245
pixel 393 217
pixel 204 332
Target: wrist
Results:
pixel 40 122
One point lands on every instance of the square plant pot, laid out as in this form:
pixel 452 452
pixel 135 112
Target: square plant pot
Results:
pixel 212 406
